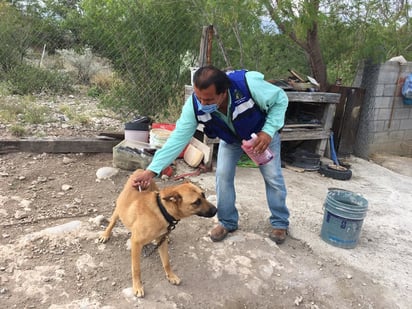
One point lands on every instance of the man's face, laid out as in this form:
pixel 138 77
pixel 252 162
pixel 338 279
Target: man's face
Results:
pixel 208 96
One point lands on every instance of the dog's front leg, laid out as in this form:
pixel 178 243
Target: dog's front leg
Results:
pixel 137 283
pixel 164 256
pixel 108 231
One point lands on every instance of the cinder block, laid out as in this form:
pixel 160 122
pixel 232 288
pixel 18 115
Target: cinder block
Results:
pixel 383 102
pixel 392 125
pixel 406 124
pixel 396 135
pixel 383 114
pixel 378 126
pixel 389 73
pixel 389 90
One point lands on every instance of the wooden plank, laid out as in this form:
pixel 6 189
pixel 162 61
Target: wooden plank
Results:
pixel 112 135
pixel 207 150
pixel 327 121
pixel 188 91
pixel 58 145
pixel 296 96
pixel 313 97
pixel 302 125
pixel 350 121
pixel 308 134
pixel 346 120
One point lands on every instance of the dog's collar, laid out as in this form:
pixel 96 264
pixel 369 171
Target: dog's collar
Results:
pixel 169 218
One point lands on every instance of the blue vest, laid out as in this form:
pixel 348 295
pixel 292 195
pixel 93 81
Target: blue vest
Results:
pixel 247 117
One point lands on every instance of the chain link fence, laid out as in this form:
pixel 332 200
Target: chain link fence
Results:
pixel 135 56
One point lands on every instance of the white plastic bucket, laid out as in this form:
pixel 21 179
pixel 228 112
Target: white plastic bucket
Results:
pixel 158 137
pixel 136 136
pixel 137 130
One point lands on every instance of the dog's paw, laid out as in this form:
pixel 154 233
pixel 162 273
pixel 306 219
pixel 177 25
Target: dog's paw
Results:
pixel 103 238
pixel 173 279
pixel 139 292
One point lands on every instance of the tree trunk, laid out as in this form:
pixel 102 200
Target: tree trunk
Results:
pixel 315 58
pixel 310 44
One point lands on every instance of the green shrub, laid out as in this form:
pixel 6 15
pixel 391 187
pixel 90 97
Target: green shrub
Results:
pixel 120 99
pixel 84 120
pixel 3 88
pixel 36 114
pixel 127 100
pixel 95 91
pixel 75 115
pixel 17 130
pixel 25 79
pixel 24 111
pixel 10 112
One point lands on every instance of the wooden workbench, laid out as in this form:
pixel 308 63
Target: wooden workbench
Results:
pixel 323 105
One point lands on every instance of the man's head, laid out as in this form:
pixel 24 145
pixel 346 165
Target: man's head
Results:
pixel 210 87
pixel 209 75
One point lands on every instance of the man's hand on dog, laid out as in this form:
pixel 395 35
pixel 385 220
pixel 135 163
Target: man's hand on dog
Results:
pixel 143 180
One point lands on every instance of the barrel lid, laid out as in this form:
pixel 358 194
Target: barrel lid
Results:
pixel 139 123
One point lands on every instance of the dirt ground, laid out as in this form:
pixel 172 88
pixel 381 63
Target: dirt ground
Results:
pixel 53 208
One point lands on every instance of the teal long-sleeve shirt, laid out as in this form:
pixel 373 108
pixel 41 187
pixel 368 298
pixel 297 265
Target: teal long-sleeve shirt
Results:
pixel 270 98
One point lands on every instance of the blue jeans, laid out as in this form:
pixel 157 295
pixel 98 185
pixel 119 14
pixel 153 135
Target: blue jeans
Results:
pixel 227 158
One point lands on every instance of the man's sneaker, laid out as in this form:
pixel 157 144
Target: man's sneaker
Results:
pixel 218 233
pixel 278 235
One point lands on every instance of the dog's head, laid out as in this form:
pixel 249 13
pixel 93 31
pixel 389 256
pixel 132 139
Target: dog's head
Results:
pixel 186 200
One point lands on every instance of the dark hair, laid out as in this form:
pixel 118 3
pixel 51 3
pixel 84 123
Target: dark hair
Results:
pixel 209 75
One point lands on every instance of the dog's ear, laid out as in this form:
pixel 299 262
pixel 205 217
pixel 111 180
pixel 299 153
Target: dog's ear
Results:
pixel 173 197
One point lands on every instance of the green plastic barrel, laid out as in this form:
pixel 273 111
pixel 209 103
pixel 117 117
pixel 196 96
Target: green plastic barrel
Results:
pixel 344 212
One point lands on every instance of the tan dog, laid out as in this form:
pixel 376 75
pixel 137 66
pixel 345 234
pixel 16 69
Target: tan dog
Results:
pixel 141 213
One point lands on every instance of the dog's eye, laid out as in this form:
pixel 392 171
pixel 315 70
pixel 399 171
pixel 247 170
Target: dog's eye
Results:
pixel 197 203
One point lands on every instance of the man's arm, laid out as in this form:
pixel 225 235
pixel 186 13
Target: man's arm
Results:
pixel 185 128
pixel 271 99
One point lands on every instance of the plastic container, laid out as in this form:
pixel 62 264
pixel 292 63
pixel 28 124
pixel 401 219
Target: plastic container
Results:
pixel 162 125
pixel 158 137
pixel 137 130
pixel 258 158
pixel 131 155
pixel 343 218
pixel 159 134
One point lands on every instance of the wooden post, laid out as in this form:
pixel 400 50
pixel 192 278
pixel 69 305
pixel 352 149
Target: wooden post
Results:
pixel 204 42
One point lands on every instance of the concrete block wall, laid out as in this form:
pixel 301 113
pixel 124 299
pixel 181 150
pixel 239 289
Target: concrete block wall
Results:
pixel 385 121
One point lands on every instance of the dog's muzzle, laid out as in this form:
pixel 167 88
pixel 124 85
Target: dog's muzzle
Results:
pixel 208 213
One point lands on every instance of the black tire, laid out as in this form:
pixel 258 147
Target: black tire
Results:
pixel 304 159
pixel 327 171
